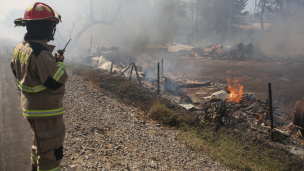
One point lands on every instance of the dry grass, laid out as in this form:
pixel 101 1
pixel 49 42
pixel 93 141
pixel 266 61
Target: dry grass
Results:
pixel 162 114
pixel 238 152
pixel 230 148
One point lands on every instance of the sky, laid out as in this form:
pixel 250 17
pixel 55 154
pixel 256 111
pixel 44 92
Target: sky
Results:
pixel 250 6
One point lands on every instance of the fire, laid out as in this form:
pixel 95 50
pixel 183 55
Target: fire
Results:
pixel 235 89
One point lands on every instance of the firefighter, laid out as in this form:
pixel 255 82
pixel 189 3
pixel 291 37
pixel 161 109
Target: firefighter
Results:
pixel 41 78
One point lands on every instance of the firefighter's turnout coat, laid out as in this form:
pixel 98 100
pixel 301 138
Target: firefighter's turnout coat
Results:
pixel 40 78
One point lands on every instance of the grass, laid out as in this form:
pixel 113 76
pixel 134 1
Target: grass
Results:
pixel 237 151
pixel 161 113
pixel 230 148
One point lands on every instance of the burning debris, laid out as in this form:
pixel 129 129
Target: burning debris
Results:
pixel 235 89
pixel 227 105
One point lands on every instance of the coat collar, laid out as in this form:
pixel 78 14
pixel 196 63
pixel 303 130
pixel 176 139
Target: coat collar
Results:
pixel 49 47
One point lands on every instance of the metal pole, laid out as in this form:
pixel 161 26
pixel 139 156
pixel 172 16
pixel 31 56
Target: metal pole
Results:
pixel 91 40
pixel 158 78
pixel 125 70
pixel 131 72
pixel 137 73
pixel 162 68
pixel 270 110
pixel 111 66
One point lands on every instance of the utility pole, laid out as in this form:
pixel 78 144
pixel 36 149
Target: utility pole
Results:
pixel 91 41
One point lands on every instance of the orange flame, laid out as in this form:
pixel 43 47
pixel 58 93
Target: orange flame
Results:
pixel 236 91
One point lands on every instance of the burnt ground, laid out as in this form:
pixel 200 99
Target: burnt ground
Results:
pixel 287 80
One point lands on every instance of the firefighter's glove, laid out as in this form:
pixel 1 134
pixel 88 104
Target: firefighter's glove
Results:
pixel 59 56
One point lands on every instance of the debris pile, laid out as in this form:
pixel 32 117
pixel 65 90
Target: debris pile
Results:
pixel 97 51
pixel 227 105
pixel 238 52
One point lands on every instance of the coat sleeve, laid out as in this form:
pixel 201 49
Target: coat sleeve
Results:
pixel 13 67
pixel 52 74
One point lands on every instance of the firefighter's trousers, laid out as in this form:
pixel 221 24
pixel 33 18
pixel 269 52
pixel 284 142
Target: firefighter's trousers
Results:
pixel 47 149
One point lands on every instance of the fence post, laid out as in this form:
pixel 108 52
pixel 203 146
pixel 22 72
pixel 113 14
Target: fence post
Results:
pixel 111 66
pixel 137 73
pixel 91 41
pixel 162 68
pixel 125 70
pixel 131 72
pixel 158 78
pixel 270 110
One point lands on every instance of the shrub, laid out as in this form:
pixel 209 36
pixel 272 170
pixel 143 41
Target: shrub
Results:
pixel 162 114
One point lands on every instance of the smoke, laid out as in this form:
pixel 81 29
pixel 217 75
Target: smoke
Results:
pixel 286 35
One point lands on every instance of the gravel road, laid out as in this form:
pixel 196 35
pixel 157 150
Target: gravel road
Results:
pixel 103 134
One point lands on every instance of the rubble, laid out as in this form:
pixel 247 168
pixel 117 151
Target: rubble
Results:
pixel 241 52
pixel 97 51
pixel 179 48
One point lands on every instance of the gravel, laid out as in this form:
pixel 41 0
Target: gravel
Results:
pixel 103 134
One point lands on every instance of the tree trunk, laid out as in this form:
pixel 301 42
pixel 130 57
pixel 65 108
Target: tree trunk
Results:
pixel 86 26
pixel 196 18
pixel 262 15
pixel 192 19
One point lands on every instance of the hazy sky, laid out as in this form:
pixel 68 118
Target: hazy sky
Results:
pixel 11 9
pixel 250 5
pixel 8 5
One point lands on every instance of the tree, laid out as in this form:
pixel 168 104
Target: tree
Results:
pixel 220 15
pixel 95 12
pixel 168 18
pixel 262 7
pixel 277 8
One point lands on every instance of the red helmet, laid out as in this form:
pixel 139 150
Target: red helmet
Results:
pixel 38 11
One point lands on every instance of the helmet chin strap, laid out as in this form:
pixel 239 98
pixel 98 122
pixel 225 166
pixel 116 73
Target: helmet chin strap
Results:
pixel 54 31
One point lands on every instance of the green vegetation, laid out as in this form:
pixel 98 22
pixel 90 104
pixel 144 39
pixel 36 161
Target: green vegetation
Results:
pixel 230 148
pixel 237 151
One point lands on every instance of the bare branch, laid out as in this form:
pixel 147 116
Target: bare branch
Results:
pixel 83 8
pixel 92 10
pixel 74 23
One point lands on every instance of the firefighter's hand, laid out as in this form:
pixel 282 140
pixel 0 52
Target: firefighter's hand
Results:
pixel 59 57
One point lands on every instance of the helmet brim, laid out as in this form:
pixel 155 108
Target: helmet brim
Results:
pixel 55 19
